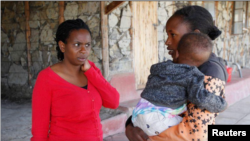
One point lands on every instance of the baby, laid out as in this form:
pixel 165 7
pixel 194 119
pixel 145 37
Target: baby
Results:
pixel 170 85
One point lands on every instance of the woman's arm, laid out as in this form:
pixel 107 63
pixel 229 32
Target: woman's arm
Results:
pixel 41 103
pixel 110 96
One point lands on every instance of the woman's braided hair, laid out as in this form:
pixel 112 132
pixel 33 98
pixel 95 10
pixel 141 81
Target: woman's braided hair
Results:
pixel 199 18
pixel 63 31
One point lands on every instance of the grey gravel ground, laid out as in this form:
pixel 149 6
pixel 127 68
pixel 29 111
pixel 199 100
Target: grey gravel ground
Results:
pixel 16 120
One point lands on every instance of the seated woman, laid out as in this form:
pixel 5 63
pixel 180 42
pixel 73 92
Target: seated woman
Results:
pixel 68 95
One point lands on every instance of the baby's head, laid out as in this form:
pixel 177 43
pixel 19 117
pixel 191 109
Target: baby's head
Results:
pixel 194 49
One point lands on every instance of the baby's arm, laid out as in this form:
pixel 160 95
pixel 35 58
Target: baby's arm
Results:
pixel 204 99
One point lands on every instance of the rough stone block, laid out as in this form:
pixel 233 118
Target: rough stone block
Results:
pixel 17 75
pixel 125 23
pixel 113 20
pixel 71 10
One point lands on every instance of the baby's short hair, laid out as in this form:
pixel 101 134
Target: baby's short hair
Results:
pixel 196 47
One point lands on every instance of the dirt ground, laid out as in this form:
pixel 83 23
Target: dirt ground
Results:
pixel 16 120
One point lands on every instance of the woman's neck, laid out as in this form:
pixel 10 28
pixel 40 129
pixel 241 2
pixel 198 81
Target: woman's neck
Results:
pixel 70 69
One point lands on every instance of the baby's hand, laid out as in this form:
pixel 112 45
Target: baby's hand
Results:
pixel 86 66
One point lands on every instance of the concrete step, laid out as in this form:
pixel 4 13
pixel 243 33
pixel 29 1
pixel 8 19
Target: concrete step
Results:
pixel 117 137
pixel 238 88
pixel 116 124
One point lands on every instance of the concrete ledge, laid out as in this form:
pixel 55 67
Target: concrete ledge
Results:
pixel 238 88
pixel 128 106
pixel 125 85
pixel 114 125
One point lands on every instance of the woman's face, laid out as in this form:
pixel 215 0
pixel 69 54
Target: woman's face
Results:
pixel 175 29
pixel 77 47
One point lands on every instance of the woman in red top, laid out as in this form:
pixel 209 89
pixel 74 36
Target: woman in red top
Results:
pixel 68 96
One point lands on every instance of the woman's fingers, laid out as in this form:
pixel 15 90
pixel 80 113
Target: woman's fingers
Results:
pixel 135 134
pixel 142 134
pixel 86 66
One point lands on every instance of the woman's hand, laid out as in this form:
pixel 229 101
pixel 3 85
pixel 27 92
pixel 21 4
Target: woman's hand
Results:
pixel 86 66
pixel 135 134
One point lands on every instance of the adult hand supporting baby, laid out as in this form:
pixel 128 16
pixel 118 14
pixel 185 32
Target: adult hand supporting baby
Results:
pixel 136 134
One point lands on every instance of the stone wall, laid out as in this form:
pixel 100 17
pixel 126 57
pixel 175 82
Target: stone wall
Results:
pixel 43 24
pixel 120 52
pixel 14 72
pixel 234 48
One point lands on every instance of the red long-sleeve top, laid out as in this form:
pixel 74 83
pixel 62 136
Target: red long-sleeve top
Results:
pixel 62 111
